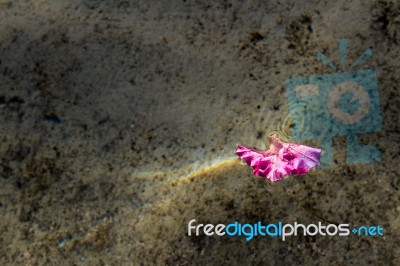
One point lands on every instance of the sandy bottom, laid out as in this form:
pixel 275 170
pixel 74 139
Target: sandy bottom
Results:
pixel 119 122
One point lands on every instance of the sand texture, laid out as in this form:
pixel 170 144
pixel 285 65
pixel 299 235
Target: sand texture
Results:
pixel 119 121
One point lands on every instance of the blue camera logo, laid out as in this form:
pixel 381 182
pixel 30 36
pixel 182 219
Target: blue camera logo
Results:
pixel 338 104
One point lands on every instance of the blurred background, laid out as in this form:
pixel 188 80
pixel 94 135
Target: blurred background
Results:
pixel 119 121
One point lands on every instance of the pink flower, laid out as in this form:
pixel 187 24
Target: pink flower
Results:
pixel 280 159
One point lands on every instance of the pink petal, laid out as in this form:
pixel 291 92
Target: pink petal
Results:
pixel 304 159
pixel 281 159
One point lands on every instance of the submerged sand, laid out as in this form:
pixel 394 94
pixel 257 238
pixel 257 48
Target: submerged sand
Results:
pixel 119 122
